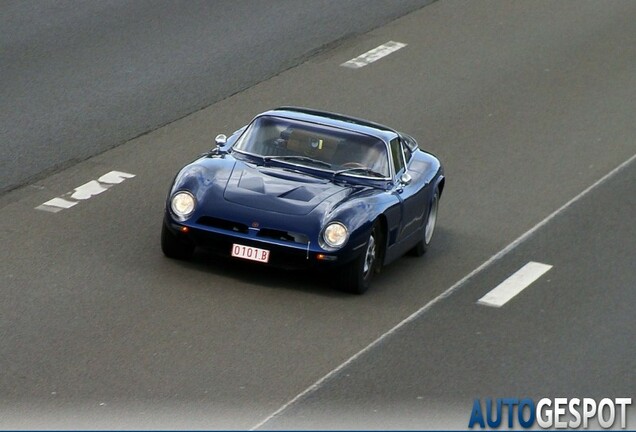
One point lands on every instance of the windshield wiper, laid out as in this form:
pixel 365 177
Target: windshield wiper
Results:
pixel 297 158
pixel 245 155
pixel 360 170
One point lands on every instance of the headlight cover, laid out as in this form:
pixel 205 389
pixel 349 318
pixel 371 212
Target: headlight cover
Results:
pixel 335 235
pixel 182 204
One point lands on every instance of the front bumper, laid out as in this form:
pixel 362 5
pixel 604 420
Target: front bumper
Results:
pixel 285 255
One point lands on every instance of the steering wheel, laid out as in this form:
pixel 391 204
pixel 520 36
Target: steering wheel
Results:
pixel 353 165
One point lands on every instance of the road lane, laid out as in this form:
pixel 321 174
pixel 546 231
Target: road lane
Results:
pixel 98 323
pixel 81 77
pixel 568 335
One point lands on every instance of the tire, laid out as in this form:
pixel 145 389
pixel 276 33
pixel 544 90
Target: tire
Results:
pixel 172 247
pixel 429 229
pixel 356 276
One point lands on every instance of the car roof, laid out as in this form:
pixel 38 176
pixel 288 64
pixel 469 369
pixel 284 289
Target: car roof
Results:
pixel 335 120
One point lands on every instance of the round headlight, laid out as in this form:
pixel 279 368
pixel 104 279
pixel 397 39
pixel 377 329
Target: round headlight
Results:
pixel 335 235
pixel 182 204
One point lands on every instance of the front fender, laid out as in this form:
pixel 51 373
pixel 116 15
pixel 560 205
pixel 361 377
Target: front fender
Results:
pixel 359 214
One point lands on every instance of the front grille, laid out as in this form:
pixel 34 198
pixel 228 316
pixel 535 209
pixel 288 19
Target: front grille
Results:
pixel 238 227
pixel 222 224
pixel 283 235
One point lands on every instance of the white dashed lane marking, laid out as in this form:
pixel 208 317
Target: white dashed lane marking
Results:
pixel 373 55
pixel 517 282
pixel 84 192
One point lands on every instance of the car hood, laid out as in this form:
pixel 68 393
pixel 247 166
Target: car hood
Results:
pixel 280 190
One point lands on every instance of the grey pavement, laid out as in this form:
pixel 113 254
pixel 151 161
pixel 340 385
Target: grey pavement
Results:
pixel 526 103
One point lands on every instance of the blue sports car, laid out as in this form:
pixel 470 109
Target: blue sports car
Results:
pixel 300 188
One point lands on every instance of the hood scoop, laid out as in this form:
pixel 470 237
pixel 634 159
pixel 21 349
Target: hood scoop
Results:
pixel 288 193
pixel 257 184
pixel 252 183
pixel 301 193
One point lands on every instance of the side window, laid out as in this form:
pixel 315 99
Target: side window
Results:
pixel 396 154
pixel 407 153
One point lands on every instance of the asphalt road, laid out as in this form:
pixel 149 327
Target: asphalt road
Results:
pixel 527 104
pixel 569 334
pixel 82 77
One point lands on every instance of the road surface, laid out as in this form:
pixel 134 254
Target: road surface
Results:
pixel 528 104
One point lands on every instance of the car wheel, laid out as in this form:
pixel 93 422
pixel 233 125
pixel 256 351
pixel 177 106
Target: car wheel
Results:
pixel 173 247
pixel 429 229
pixel 356 276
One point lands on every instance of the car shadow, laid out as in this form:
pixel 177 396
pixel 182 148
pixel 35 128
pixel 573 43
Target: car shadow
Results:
pixel 318 282
pixel 309 281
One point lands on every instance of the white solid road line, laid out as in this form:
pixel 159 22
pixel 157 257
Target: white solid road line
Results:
pixel 517 282
pixel 373 55
pixel 315 386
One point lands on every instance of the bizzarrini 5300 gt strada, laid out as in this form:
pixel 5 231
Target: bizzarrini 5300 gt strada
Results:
pixel 299 188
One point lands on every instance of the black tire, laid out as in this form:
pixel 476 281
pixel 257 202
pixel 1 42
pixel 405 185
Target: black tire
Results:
pixel 356 276
pixel 173 247
pixel 429 229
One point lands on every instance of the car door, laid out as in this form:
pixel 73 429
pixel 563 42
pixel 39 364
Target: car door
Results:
pixel 410 188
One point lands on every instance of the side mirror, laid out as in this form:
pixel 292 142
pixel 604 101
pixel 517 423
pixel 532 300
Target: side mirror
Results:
pixel 405 178
pixel 220 140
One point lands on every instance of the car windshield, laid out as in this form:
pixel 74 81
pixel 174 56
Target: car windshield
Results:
pixel 316 146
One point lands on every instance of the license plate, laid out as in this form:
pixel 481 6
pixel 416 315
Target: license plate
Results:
pixel 250 253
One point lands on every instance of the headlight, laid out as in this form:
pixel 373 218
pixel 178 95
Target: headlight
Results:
pixel 335 235
pixel 182 204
